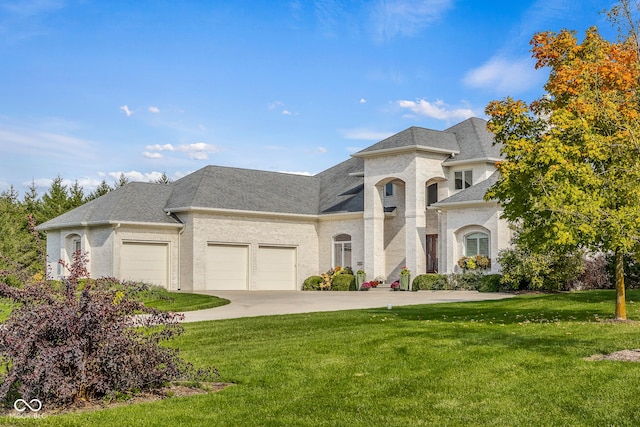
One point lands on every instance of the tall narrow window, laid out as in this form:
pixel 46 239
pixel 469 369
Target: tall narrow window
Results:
pixel 476 244
pixel 432 194
pixel 463 179
pixel 342 250
pixel 389 200
pixel 388 189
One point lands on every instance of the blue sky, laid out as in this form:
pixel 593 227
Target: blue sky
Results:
pixel 92 89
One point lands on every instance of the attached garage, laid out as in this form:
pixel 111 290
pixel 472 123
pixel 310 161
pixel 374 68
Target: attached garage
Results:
pixel 146 262
pixel 276 268
pixel 227 267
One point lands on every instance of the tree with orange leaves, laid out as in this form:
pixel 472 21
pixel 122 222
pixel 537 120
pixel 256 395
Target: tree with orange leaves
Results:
pixel 571 175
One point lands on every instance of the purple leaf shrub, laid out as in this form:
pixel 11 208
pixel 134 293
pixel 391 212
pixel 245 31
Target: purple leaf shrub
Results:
pixel 62 344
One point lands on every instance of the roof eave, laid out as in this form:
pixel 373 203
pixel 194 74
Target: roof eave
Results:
pixel 107 223
pixel 407 149
pixel 465 204
pixel 491 160
pixel 242 212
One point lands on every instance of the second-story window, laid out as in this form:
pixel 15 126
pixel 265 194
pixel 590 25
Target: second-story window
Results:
pixel 388 190
pixel 463 179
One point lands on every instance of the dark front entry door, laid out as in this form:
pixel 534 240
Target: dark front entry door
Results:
pixel 432 253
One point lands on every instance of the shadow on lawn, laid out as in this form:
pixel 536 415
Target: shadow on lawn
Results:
pixel 556 320
pixel 587 306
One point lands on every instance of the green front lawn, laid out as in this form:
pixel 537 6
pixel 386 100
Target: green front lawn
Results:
pixel 160 299
pixel 178 301
pixel 516 362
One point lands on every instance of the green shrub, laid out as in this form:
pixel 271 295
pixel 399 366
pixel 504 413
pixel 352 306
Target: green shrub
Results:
pixel 464 281
pixel 312 283
pixel 550 271
pixel 490 283
pixel 344 282
pixel 429 282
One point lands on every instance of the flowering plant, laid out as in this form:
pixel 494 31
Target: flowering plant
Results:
pixel 365 285
pixel 395 285
pixel 405 271
pixel 473 262
pixel 374 283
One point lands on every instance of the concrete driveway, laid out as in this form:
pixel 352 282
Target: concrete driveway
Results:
pixel 267 303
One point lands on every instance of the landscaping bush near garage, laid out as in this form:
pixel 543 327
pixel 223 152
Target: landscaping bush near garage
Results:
pixel 336 279
pixel 344 282
pixel 312 283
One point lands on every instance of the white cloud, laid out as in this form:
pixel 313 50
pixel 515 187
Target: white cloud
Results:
pixel 391 18
pixel 438 110
pixel 286 112
pixel 154 110
pixel 158 147
pixel 150 155
pixel 33 142
pixel 135 176
pixel 507 76
pixel 321 150
pixel 363 101
pixel 126 110
pixel 275 104
pixel 365 134
pixel 297 173
pixel 196 151
pixel 199 150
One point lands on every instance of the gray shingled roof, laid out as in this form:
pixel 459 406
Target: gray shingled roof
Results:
pixel 475 141
pixel 247 190
pixel 416 137
pixel 337 189
pixel 475 193
pixel 134 202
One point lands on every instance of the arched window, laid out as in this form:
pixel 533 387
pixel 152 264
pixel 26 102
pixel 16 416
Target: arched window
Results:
pixel 342 250
pixel 476 244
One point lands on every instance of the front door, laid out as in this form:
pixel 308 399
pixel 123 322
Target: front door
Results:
pixel 432 253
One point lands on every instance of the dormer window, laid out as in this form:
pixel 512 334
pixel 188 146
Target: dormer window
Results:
pixel 463 179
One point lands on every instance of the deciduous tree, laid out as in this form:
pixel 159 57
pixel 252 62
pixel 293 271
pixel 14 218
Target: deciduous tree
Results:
pixel 572 158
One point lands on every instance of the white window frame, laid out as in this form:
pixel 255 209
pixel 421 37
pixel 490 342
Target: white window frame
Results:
pixel 477 236
pixel 465 180
pixel 340 248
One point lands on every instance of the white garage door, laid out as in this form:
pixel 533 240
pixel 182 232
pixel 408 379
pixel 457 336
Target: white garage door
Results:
pixel 145 262
pixel 227 267
pixel 276 268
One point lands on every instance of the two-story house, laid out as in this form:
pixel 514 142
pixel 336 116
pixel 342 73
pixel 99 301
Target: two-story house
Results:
pixel 415 199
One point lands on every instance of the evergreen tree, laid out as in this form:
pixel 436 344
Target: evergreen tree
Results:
pixel 101 190
pixel 122 180
pixel 56 200
pixel 164 179
pixel 76 195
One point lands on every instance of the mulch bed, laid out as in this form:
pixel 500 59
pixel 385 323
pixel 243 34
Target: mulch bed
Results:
pixel 618 356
